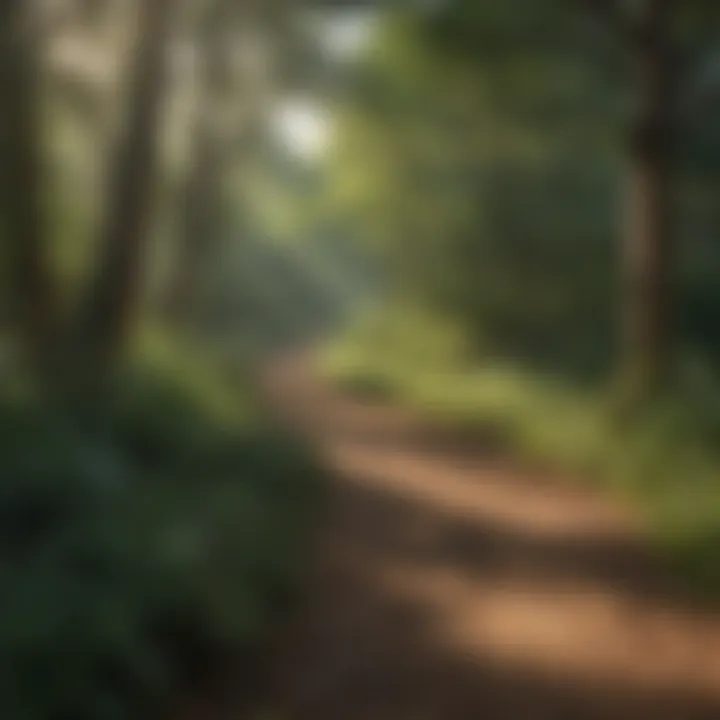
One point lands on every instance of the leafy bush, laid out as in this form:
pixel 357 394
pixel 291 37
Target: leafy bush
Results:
pixel 135 550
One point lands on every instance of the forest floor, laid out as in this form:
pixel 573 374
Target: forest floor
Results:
pixel 452 583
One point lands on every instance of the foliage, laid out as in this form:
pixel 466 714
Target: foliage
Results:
pixel 152 517
pixel 479 183
pixel 479 157
pixel 136 550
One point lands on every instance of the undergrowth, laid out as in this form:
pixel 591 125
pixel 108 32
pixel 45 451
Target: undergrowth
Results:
pixel 138 549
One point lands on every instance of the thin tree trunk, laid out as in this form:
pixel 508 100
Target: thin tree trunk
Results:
pixel 201 214
pixel 108 310
pixel 32 291
pixel 648 308
pixel 203 202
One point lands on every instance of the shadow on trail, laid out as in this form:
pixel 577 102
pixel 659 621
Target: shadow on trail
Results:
pixel 409 531
pixel 448 585
pixel 396 669
pixel 366 650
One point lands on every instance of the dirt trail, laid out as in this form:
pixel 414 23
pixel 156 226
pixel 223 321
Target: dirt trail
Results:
pixel 450 585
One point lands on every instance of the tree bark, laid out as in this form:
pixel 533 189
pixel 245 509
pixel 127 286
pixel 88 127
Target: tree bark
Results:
pixel 108 310
pixel 32 291
pixel 201 213
pixel 203 195
pixel 648 306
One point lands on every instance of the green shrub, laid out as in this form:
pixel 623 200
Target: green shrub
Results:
pixel 136 550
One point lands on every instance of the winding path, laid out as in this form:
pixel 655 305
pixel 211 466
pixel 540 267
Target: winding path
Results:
pixel 450 584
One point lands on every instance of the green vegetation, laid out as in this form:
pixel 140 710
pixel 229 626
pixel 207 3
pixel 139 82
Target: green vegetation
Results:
pixel 525 191
pixel 153 518
pixel 140 550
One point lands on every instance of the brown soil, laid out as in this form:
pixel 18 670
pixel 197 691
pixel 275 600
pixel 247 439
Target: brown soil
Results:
pixel 451 584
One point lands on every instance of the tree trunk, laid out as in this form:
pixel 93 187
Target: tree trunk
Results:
pixel 108 309
pixel 32 297
pixel 648 307
pixel 201 216
pixel 203 202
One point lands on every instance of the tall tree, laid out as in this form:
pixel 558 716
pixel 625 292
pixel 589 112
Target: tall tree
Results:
pixel 648 307
pixel 113 293
pixel 202 195
pixel 237 49
pixel 660 45
pixel 32 294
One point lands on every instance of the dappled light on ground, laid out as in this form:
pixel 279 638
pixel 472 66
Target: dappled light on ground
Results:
pixel 450 585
